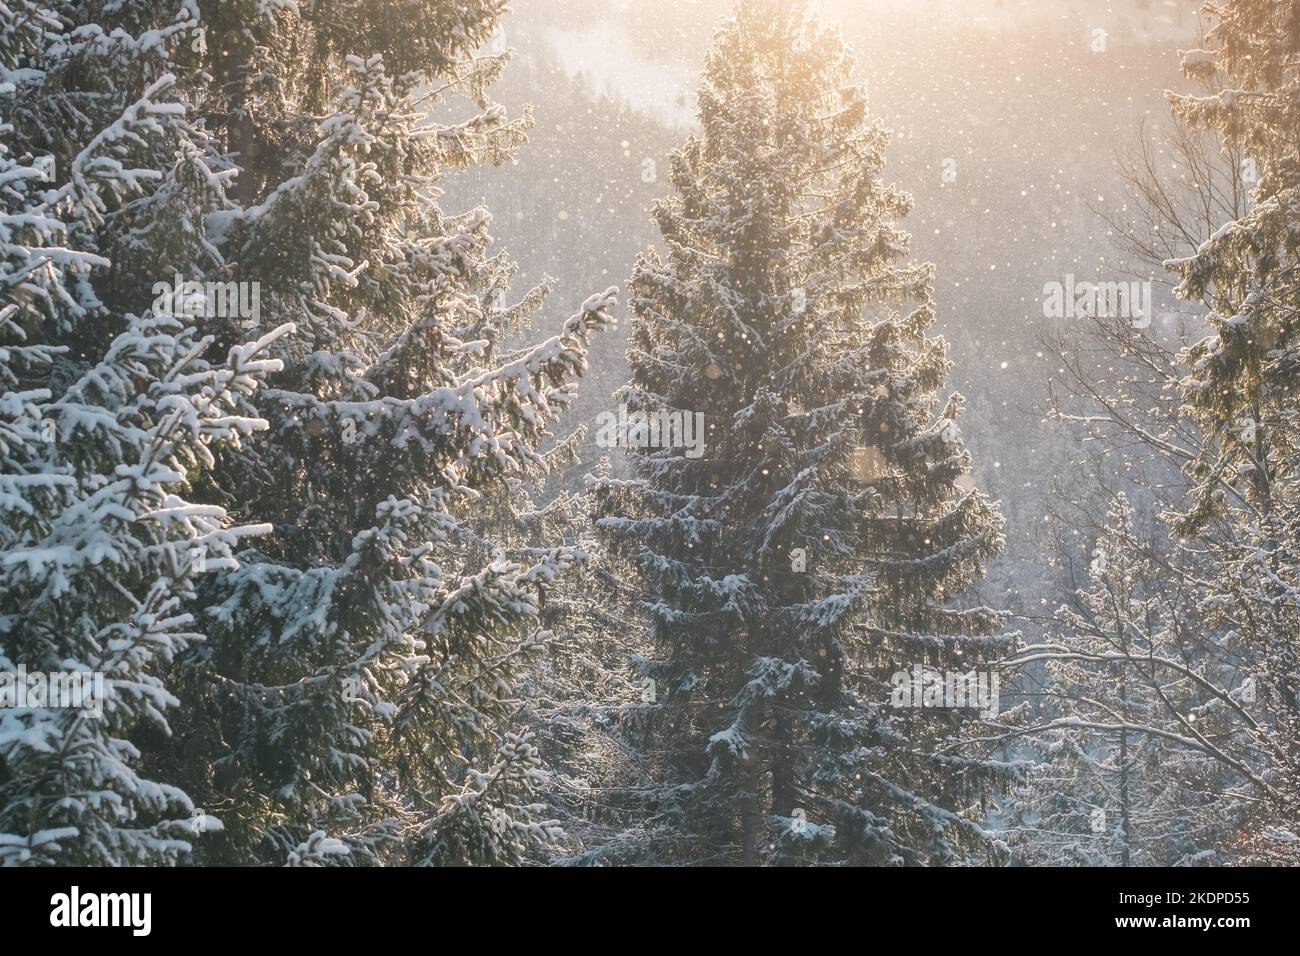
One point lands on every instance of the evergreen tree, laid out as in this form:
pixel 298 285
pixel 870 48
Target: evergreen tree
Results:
pixel 819 541
pixel 354 699
pixel 1241 383
pixel 111 415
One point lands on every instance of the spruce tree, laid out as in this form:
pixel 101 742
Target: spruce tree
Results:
pixel 111 415
pixel 1240 387
pixel 821 541
pixel 354 699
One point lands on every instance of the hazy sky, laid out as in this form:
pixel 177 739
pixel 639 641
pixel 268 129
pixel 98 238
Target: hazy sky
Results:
pixel 649 52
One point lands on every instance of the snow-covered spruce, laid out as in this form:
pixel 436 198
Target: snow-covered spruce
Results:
pixel 110 416
pixel 819 543
pixel 1240 390
pixel 354 700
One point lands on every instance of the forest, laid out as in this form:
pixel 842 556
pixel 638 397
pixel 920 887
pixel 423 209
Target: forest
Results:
pixel 686 433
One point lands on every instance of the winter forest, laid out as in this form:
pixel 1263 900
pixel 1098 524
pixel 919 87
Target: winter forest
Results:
pixel 673 433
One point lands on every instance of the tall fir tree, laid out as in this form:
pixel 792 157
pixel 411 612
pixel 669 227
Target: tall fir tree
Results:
pixel 819 542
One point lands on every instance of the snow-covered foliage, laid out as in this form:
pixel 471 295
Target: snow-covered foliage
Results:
pixel 359 670
pixel 305 555
pixel 1135 766
pixel 111 417
pixel 342 690
pixel 1183 643
pixel 1240 385
pixel 820 541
